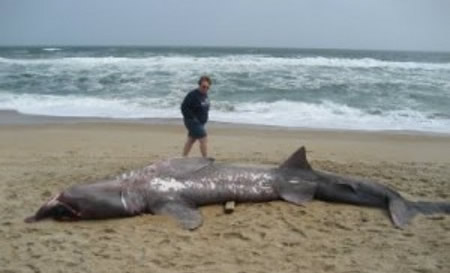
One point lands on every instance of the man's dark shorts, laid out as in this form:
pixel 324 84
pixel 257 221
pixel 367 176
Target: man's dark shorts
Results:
pixel 196 129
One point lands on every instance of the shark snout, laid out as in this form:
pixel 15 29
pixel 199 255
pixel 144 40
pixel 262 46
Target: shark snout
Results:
pixel 53 209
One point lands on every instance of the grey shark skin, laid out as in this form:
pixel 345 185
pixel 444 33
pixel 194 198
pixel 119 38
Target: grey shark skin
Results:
pixel 177 187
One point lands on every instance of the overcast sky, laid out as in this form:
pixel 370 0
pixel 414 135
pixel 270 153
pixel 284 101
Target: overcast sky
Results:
pixel 357 24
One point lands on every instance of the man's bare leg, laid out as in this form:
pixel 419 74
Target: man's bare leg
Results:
pixel 188 146
pixel 204 146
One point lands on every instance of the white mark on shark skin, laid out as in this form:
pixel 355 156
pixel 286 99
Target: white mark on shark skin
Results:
pixel 167 184
pixel 255 176
pixel 122 199
pixel 133 175
pixel 294 181
pixel 258 176
pixel 264 184
pixel 203 183
pixel 243 182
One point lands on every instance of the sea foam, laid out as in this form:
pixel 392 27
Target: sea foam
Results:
pixel 280 113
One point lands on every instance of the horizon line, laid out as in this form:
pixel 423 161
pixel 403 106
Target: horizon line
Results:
pixel 226 46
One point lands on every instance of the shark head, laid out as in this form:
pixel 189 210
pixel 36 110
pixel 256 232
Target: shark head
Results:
pixel 55 209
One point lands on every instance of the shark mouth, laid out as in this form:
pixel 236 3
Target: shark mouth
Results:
pixel 64 211
pixel 55 209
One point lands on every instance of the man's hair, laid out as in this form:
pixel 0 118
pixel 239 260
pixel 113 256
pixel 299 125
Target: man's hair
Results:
pixel 204 78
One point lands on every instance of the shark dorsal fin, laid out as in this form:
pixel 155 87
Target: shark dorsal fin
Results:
pixel 297 160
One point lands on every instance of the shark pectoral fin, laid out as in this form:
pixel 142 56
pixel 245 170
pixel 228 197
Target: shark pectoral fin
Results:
pixel 401 213
pixel 188 216
pixel 298 192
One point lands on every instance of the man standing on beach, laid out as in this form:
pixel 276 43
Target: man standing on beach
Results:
pixel 195 108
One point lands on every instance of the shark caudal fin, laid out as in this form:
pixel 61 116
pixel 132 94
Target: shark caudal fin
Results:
pixel 402 211
pixel 297 160
pixel 428 208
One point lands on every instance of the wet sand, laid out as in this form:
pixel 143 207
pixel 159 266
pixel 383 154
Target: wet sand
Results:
pixel 38 160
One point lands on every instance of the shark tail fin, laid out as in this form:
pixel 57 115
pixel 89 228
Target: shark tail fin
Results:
pixel 428 208
pixel 402 211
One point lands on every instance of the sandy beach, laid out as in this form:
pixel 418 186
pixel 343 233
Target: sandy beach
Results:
pixel 41 157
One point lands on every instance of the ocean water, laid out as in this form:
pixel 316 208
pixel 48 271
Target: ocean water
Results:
pixel 335 89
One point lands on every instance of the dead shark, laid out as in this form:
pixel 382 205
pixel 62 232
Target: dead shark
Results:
pixel 178 186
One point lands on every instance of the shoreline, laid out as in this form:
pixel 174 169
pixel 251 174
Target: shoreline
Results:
pixel 13 117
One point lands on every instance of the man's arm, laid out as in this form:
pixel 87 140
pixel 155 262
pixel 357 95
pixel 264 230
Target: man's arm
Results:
pixel 186 107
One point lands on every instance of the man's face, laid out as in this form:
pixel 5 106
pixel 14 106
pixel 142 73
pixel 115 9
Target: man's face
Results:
pixel 204 87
